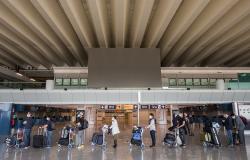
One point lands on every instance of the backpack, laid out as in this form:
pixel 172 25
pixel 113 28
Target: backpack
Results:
pixel 244 120
pixel 85 124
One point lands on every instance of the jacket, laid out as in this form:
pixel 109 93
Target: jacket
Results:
pixel 239 123
pixel 151 125
pixel 114 127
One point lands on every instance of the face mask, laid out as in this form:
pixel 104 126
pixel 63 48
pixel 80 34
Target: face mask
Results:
pixel 113 119
pixel 47 119
pixel 150 117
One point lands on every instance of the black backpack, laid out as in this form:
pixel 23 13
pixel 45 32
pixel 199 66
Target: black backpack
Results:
pixel 85 124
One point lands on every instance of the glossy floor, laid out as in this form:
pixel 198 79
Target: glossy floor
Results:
pixel 193 151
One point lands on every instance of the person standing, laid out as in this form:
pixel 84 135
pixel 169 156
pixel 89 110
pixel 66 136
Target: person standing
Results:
pixel 181 127
pixel 152 128
pixel 49 131
pixel 28 124
pixel 229 128
pixel 80 127
pixel 191 124
pixel 187 124
pixel 115 130
pixel 240 127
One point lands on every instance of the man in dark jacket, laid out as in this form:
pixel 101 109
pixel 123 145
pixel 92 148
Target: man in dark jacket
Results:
pixel 229 128
pixel 240 126
pixel 28 124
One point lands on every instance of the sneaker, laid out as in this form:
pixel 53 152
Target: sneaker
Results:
pixel 183 146
pixel 26 147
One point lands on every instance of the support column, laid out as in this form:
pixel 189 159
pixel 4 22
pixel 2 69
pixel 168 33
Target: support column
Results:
pixel 220 84
pixel 49 84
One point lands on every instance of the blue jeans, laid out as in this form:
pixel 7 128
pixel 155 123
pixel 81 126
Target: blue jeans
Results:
pixel 230 137
pixel 27 137
pixel 49 135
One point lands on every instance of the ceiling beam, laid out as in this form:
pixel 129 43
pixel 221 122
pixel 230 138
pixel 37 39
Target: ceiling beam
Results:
pixel 236 31
pixel 223 52
pixel 141 15
pixel 234 53
pixel 120 17
pixel 53 14
pixel 7 63
pixel 29 15
pixel 27 49
pixel 11 58
pixel 209 16
pixel 161 18
pixel 10 48
pixel 233 17
pixel 13 23
pixel 242 60
pixel 99 16
pixel 190 9
pixel 82 25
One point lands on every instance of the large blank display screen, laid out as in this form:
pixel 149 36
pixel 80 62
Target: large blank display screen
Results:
pixel 124 68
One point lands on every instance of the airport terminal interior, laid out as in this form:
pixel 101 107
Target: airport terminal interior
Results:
pixel 124 79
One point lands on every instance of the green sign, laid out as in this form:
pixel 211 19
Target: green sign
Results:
pixel 66 82
pixel 59 81
pixel 74 82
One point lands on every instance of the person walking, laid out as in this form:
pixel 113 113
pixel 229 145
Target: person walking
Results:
pixel 152 128
pixel 240 127
pixel 115 130
pixel 228 123
pixel 28 124
pixel 49 132
pixel 181 127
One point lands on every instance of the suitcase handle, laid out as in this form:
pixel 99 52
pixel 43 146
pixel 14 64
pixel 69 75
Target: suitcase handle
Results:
pixel 40 131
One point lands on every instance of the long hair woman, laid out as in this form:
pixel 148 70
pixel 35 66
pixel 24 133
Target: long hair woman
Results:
pixel 115 130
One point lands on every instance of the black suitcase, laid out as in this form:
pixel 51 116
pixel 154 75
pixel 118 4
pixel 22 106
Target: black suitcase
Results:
pixel 215 137
pixel 169 138
pixel 97 138
pixel 63 141
pixel 39 141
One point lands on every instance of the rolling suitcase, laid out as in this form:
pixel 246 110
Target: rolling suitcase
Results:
pixel 97 138
pixel 215 137
pixel 39 140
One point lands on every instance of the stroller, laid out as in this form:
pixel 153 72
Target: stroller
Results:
pixel 16 140
pixel 137 137
pixel 171 138
pixel 66 137
pixel 98 138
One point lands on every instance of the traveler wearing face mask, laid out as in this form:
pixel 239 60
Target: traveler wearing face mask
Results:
pixel 115 130
pixel 28 124
pixel 152 128
pixel 49 131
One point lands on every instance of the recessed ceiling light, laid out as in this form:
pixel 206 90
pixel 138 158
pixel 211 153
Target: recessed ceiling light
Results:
pixel 19 74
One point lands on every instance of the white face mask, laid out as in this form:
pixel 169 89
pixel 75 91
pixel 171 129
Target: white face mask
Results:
pixel 150 117
pixel 113 119
pixel 48 119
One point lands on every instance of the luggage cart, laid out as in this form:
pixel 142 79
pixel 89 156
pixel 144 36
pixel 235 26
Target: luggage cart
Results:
pixel 103 145
pixel 139 140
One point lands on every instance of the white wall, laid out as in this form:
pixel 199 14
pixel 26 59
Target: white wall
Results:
pixel 122 96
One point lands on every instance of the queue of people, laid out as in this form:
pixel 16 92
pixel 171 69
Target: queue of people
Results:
pixel 183 122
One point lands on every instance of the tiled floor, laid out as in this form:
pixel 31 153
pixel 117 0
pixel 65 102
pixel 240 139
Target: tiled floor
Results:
pixel 194 150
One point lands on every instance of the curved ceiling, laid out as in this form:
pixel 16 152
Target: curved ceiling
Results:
pixel 46 33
